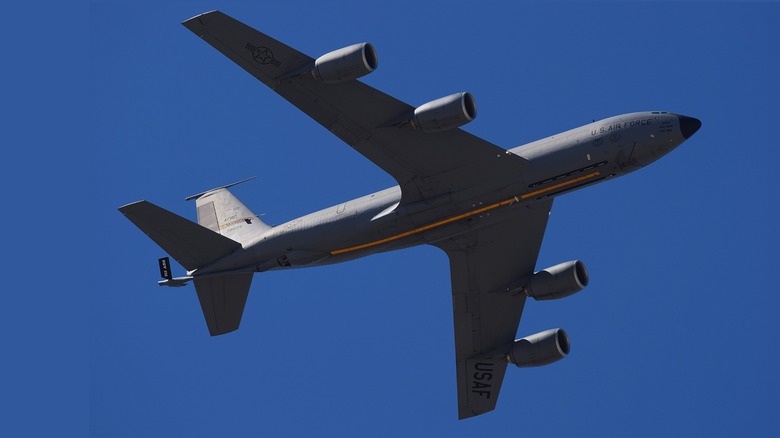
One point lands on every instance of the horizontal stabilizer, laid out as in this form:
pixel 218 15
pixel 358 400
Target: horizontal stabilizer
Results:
pixel 222 300
pixel 176 281
pixel 189 243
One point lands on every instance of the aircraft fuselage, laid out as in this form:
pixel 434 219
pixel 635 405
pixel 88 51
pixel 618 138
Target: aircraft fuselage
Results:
pixel 370 224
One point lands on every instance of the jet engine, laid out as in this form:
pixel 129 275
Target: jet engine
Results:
pixel 558 281
pixel 346 64
pixel 540 349
pixel 445 113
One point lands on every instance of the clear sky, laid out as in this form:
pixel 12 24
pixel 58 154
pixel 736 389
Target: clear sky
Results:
pixel 675 335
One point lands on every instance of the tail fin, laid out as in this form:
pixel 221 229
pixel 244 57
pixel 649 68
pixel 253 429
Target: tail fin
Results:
pixel 220 211
pixel 189 243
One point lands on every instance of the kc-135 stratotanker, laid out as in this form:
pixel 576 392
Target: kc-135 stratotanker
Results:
pixel 486 207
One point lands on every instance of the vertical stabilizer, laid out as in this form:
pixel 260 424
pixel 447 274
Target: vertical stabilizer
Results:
pixel 220 211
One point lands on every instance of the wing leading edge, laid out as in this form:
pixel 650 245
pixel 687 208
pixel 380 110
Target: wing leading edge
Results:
pixel 483 263
pixel 424 164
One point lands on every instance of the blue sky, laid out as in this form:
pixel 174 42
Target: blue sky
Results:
pixel 675 334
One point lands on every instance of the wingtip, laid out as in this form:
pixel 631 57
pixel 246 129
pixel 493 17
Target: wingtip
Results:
pixel 222 331
pixel 467 412
pixel 130 205
pixel 198 21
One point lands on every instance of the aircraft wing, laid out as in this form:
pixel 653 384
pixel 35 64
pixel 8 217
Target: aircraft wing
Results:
pixel 483 264
pixel 424 164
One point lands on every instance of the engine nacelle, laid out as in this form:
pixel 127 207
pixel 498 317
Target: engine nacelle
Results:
pixel 445 113
pixel 346 64
pixel 558 281
pixel 540 349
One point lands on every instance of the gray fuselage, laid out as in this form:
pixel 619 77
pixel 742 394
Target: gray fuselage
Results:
pixel 375 223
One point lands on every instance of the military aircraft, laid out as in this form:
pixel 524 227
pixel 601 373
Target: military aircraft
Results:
pixel 485 206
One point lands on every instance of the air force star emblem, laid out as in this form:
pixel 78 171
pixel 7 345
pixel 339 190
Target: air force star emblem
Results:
pixel 263 55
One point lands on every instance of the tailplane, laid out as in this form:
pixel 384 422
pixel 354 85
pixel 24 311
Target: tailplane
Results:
pixel 222 297
pixel 189 243
pixel 222 300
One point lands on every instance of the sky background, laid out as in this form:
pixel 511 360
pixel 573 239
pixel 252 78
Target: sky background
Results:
pixel 675 335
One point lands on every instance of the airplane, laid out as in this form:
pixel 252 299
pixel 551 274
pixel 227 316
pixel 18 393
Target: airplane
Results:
pixel 485 206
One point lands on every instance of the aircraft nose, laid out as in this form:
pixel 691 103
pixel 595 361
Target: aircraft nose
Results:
pixel 688 125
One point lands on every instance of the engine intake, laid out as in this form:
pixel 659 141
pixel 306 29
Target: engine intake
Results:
pixel 558 281
pixel 346 64
pixel 445 113
pixel 540 349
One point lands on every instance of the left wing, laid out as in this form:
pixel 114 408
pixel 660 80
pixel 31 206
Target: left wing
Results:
pixel 424 164
pixel 484 264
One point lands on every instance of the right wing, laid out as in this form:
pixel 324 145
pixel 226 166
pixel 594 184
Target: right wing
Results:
pixel 484 263
pixel 424 164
